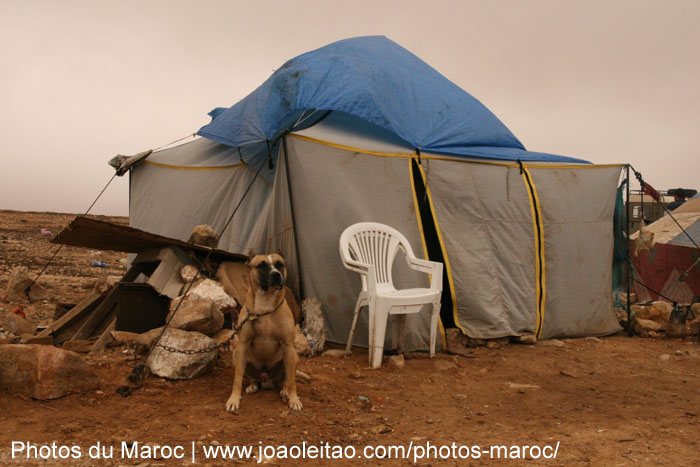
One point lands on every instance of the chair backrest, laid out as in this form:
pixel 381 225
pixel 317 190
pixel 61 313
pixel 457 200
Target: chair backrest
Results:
pixel 375 244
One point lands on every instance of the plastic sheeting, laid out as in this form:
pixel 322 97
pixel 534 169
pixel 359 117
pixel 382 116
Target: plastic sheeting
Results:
pixel 380 82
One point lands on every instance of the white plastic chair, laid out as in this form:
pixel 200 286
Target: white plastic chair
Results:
pixel 369 248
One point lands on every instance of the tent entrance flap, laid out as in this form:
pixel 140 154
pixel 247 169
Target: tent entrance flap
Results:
pixel 432 242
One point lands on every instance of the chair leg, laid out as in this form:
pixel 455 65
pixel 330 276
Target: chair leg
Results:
pixel 378 317
pixel 361 301
pixel 400 332
pixel 433 326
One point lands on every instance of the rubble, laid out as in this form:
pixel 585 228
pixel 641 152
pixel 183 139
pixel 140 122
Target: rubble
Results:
pixel 314 326
pixel 202 309
pixel 78 346
pixel 176 365
pixel 17 283
pixel 397 361
pixel 188 273
pixel 301 345
pixel 43 371
pixel 644 326
pixel 133 338
pixel 335 353
pixel 658 311
pixel 455 339
pixel 16 324
pixel 525 339
pixel 204 235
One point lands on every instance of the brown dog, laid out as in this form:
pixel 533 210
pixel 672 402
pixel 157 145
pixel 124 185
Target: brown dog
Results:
pixel 266 349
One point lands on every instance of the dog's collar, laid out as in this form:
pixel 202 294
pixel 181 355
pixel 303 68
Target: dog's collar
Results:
pixel 253 316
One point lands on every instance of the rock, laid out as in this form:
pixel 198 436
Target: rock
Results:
pixel 475 342
pixel 44 372
pixel 223 335
pixel 644 326
pixel 204 235
pixel 660 312
pixel 455 339
pixel 335 353
pixel 314 327
pixel 301 345
pixel 18 281
pixel 104 283
pixel 202 309
pixel 525 339
pixel 639 311
pixel 554 343
pixel 356 375
pixel 15 324
pixel 664 357
pixel 444 365
pixel 188 273
pixel 567 374
pixel 522 386
pixel 176 365
pixel 593 340
pixel 78 346
pixel 497 343
pixel 133 338
pixel 397 361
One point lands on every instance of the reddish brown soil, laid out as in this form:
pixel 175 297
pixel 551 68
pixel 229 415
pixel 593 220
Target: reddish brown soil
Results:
pixel 607 402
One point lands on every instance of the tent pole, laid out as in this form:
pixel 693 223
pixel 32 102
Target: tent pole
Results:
pixel 629 257
pixel 294 219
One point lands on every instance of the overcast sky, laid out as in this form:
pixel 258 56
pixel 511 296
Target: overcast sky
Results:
pixel 82 81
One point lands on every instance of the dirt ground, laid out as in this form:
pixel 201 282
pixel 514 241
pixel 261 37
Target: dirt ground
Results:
pixel 610 401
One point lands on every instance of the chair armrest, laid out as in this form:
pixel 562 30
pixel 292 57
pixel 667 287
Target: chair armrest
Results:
pixel 364 269
pixel 429 267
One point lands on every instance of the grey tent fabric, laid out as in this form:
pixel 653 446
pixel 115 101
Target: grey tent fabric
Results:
pixel 578 249
pixel 332 189
pixel 193 184
pixel 343 171
pixel 484 215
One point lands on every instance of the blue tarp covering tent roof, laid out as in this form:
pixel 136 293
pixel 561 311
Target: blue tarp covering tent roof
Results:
pixel 379 81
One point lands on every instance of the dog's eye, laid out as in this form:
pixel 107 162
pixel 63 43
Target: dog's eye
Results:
pixel 262 266
pixel 279 265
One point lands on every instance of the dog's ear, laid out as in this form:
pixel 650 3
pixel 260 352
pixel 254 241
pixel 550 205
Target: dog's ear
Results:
pixel 279 252
pixel 251 255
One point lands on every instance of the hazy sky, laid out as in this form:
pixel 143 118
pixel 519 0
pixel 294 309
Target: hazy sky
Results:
pixel 82 81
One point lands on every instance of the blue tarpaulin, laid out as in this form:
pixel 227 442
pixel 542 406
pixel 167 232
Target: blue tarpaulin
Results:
pixel 375 79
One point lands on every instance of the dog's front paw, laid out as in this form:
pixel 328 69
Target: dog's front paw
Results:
pixel 284 393
pixel 233 403
pixel 295 403
pixel 251 388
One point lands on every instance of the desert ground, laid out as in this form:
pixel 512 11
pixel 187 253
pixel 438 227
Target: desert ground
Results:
pixel 616 400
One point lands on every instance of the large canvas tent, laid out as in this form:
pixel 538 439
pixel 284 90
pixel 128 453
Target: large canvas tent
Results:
pixel 363 130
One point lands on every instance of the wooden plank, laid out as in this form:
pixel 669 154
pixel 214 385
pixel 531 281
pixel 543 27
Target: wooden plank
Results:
pixel 81 309
pixel 105 338
pixel 97 315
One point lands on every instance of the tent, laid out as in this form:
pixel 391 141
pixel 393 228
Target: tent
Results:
pixel 363 130
pixel 671 266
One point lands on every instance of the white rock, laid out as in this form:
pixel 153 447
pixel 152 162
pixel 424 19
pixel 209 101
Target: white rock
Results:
pixel 176 365
pixel 202 309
